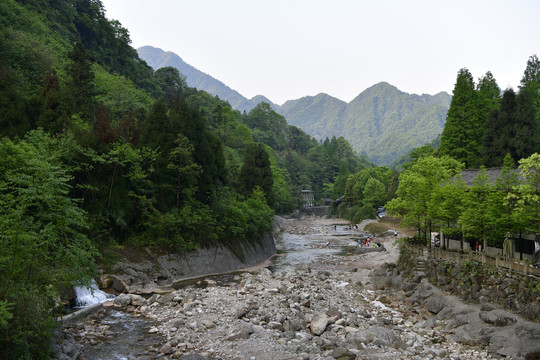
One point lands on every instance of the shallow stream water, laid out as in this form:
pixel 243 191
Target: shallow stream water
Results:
pixel 131 340
pixel 294 249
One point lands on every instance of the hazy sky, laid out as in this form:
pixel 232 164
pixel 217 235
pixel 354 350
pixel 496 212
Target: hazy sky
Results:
pixel 287 49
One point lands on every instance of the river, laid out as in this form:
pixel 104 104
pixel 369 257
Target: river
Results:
pixel 126 337
pixel 319 274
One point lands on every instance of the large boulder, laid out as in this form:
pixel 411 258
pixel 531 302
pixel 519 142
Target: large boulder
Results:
pixel 318 323
pixel 381 335
pixel 435 304
pixel 123 300
pixel 497 318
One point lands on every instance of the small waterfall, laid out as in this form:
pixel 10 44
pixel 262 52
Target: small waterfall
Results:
pixel 86 296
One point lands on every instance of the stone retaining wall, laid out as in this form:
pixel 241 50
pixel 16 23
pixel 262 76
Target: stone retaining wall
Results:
pixel 160 274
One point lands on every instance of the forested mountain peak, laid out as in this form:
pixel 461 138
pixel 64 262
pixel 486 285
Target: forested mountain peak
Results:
pixel 382 121
pixel 158 58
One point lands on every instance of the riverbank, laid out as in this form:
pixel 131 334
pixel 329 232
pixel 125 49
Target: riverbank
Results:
pixel 334 307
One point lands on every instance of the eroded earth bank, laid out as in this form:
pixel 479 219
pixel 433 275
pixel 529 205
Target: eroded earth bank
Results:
pixel 320 298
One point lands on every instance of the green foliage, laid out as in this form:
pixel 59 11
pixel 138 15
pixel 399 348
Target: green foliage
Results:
pixel 179 230
pixel 537 289
pixel 374 193
pixel 499 130
pixel 120 95
pixel 475 218
pixel 186 171
pixel 42 242
pixel 268 127
pixel 485 211
pixel 340 182
pixel 171 83
pixel 463 132
pixel 284 202
pixel 247 219
pixel 529 192
pixel 416 187
pixel 357 213
pixel 358 192
pixel 80 84
pixel 124 155
pixel 256 172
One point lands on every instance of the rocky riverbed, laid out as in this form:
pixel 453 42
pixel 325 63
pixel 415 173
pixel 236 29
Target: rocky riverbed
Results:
pixel 350 305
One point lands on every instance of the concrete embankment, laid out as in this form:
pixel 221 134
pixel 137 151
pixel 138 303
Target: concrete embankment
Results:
pixel 158 273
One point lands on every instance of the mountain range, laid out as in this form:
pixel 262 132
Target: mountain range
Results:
pixel 382 122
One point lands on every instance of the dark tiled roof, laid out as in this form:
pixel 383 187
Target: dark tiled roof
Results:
pixel 493 173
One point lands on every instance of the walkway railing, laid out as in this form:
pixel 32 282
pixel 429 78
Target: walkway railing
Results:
pixel 513 265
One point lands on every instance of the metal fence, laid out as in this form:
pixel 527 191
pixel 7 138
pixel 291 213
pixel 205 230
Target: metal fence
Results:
pixel 514 265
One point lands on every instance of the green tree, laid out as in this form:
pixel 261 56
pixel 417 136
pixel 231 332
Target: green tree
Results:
pixel 531 75
pixel 475 218
pixel 340 180
pixel 120 96
pixel 52 117
pixel 382 174
pixel 81 86
pixel 417 154
pixel 502 207
pixel 416 188
pixel 499 131
pixel 531 81
pixel 156 129
pixel 374 193
pixel 526 129
pixel 460 138
pixel 256 171
pixel 42 242
pixel 489 97
pixel 268 127
pixel 14 120
pixel 529 192
pixel 185 169
pixel 446 204
pixel 171 83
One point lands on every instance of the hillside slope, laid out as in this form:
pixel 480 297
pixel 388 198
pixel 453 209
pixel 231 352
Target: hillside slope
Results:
pixel 381 122
pixel 158 58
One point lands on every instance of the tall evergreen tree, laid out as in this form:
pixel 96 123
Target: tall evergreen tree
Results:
pixel 526 139
pixel 13 118
pixel 459 138
pixel 499 131
pixel 532 72
pixel 156 129
pixel 531 81
pixel 256 172
pixel 489 98
pixel 490 153
pixel 340 180
pixel 81 86
pixel 51 118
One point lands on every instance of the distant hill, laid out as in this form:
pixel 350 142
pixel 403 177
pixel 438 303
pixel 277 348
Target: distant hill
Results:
pixel 158 58
pixel 382 122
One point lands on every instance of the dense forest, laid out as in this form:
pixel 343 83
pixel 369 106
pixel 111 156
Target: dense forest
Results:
pixel 485 128
pixel 98 150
